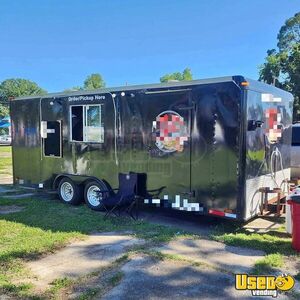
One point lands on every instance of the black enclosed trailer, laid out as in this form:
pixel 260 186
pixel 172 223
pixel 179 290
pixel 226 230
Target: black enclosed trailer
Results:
pixel 211 143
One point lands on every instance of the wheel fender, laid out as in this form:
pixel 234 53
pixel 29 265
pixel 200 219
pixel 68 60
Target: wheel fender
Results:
pixel 58 178
pixel 88 179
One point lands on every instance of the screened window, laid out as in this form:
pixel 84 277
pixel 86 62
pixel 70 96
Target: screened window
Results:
pixel 86 123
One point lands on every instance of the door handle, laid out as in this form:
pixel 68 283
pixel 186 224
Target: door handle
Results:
pixel 185 107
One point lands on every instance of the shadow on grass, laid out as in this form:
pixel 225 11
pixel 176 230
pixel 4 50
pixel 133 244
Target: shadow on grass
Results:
pixel 56 217
pixel 271 242
pixel 46 225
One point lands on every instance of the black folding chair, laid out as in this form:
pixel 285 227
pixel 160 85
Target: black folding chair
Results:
pixel 125 198
pixel 141 188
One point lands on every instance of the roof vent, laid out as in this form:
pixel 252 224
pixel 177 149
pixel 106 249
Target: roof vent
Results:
pixel 173 80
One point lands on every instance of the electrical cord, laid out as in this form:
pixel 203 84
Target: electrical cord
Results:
pixel 115 128
pixel 276 154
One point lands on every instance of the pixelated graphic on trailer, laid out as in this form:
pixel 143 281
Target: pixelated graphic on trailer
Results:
pixel 273 124
pixel 170 132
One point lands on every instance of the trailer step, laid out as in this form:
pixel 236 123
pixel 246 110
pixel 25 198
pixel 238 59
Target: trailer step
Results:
pixel 275 205
pixel 273 208
pixel 273 200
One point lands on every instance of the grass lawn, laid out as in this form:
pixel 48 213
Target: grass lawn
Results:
pixel 5 149
pixel 276 244
pixel 273 242
pixel 46 225
pixel 5 160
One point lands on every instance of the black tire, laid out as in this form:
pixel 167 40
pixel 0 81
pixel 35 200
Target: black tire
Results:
pixel 69 192
pixel 92 198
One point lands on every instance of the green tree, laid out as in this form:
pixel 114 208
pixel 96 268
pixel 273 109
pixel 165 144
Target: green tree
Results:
pixel 73 89
pixel 16 87
pixel 289 33
pixel 282 66
pixel 186 74
pixel 94 81
pixel 4 111
pixel 270 71
pixel 291 69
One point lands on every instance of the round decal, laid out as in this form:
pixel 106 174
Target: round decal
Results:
pixel 170 131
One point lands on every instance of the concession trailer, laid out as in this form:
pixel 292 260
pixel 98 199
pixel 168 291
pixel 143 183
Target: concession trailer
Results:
pixel 208 145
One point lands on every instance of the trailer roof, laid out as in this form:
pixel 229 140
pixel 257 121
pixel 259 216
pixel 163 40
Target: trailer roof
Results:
pixel 240 78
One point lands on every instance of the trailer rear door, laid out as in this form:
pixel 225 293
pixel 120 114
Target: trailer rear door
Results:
pixel 215 146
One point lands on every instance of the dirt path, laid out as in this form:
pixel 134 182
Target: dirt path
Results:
pixel 119 266
pixel 5 154
pixel 186 268
pixel 190 269
pixel 9 209
pixel 215 254
pixel 6 179
pixel 80 258
pixel 147 278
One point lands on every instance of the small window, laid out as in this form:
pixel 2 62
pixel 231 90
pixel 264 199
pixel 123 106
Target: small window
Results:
pixel 86 123
pixel 52 143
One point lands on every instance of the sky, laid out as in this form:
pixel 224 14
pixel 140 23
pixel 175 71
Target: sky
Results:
pixel 58 43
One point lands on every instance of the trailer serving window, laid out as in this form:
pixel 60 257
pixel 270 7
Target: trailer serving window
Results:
pixel 86 123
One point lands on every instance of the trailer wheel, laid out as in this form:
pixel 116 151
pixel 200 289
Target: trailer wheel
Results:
pixel 92 197
pixel 69 192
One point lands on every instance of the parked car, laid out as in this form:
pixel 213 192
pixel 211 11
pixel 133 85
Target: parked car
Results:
pixel 5 139
pixel 295 151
